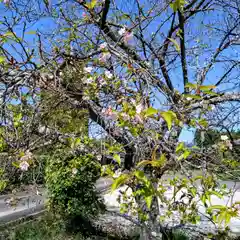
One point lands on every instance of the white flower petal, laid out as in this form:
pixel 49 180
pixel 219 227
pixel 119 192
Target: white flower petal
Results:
pixel 122 31
pixel 74 171
pixel 88 69
pixel 108 74
pixel 224 137
pixel 24 165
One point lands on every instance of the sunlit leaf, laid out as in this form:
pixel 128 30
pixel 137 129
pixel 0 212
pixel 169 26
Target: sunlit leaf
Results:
pixel 117 158
pixel 169 117
pixel 191 85
pixel 207 88
pixel 2 59
pixel 211 93
pixel 192 96
pixel 148 200
pixel 150 111
pixel 177 5
pixel 180 147
pixel 119 181
pixel 217 207
pixel 175 43
pixel 144 163
pixel 91 4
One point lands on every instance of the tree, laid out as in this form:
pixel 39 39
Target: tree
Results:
pixel 143 70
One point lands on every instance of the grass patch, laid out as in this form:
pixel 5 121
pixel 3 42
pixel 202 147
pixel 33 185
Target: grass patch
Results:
pixel 43 228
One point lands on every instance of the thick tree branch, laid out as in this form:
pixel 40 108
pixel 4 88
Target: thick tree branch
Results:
pixel 183 49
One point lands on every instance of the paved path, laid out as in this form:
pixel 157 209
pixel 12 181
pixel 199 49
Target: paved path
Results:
pixel 13 207
pixel 29 202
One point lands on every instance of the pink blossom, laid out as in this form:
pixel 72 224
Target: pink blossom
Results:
pixel 103 45
pixel 229 144
pixel 28 155
pixel 125 117
pixel 84 15
pixel 24 165
pixel 104 57
pixel 6 1
pixel 110 113
pixel 128 36
pixel 101 81
pixel 138 119
pixel 139 108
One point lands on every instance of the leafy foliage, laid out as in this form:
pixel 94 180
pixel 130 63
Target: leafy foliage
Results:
pixel 70 182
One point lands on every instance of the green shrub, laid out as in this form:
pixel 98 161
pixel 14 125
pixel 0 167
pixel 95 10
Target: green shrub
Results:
pixel 70 181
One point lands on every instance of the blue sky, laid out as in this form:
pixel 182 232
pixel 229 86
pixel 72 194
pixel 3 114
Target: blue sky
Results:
pixel 46 24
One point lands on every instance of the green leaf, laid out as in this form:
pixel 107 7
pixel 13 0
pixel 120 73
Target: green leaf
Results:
pixel 91 4
pixel 219 195
pixel 150 111
pixel 175 43
pixel 217 207
pixel 203 122
pixel 169 117
pixel 155 163
pixel 2 59
pixel 148 200
pixel 211 93
pixel 180 147
pixel 221 217
pixel 15 164
pixel 227 218
pixel 191 85
pixel 117 158
pixel 207 88
pixel 162 160
pixel 177 5
pixel 144 163
pixel 119 181
pixel 139 174
pixel 184 155
pixel 8 34
pixel 192 96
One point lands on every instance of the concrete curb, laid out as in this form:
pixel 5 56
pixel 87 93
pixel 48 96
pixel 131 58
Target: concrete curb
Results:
pixel 20 220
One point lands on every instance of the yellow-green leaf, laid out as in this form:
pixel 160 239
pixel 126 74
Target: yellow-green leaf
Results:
pixel 169 117
pixel 191 85
pixel 211 93
pixel 139 174
pixel 2 59
pixel 150 111
pixel 180 147
pixel 217 207
pixel 177 5
pixel 144 163
pixel 207 88
pixel 8 34
pixel 117 158
pixel 91 4
pixel 192 96
pixel 162 160
pixel 148 200
pixel 119 181
pixel 175 43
